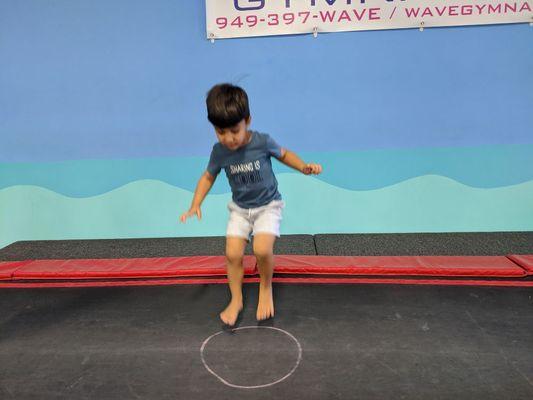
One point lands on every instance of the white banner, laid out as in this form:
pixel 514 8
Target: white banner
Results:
pixel 240 18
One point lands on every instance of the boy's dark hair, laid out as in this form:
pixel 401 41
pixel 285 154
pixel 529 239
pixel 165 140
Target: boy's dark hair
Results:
pixel 227 105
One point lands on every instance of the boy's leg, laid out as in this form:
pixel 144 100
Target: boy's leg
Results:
pixel 234 255
pixel 264 252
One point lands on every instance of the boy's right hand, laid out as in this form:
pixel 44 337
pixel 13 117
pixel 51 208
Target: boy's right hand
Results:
pixel 190 213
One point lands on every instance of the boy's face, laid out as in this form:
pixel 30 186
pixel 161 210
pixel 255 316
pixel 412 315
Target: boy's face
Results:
pixel 235 136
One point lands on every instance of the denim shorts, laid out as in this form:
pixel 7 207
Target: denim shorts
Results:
pixel 245 221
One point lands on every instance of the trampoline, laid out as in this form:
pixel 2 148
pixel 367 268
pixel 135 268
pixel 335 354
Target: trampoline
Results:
pixel 388 329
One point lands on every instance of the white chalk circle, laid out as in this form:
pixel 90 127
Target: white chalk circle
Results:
pixel 225 353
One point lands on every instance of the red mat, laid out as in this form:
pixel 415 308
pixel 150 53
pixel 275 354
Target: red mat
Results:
pixel 8 268
pixel 205 266
pixel 481 266
pixel 128 268
pixel 525 261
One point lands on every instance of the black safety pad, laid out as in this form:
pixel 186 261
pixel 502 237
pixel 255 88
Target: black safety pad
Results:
pixel 141 248
pixel 391 244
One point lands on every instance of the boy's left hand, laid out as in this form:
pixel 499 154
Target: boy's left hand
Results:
pixel 314 169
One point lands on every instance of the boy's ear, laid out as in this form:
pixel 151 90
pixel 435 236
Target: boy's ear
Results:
pixel 248 120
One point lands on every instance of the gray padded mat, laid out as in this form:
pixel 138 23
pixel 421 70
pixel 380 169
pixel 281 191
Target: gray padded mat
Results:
pixel 141 248
pixel 390 244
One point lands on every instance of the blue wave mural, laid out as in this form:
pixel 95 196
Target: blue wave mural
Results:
pixel 478 167
pixel 149 208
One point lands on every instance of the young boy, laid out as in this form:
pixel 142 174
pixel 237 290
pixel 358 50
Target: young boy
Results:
pixel 256 203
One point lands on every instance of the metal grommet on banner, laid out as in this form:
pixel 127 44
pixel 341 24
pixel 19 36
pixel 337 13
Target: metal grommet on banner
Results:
pixel 315 31
pixel 421 29
pixel 212 37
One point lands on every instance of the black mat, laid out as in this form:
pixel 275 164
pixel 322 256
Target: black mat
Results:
pixel 392 244
pixel 475 243
pixel 133 248
pixel 358 342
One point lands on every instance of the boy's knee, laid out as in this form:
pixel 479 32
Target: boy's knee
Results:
pixel 264 246
pixel 263 252
pixel 234 257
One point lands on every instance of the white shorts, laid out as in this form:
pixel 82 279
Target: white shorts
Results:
pixel 245 221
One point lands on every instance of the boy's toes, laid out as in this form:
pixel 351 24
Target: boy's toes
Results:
pixel 263 314
pixel 227 319
pixel 230 314
pixel 265 306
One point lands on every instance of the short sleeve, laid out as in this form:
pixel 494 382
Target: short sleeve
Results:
pixel 213 167
pixel 273 148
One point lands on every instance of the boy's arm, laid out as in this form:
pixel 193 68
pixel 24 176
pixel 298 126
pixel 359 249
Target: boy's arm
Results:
pixel 202 188
pixel 292 160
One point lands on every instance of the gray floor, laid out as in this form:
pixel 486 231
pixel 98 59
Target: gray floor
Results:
pixel 358 342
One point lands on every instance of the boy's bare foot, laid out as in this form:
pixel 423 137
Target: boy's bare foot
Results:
pixel 230 314
pixel 265 306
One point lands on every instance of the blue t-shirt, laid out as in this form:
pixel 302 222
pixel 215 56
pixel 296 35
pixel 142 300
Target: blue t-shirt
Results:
pixel 249 170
